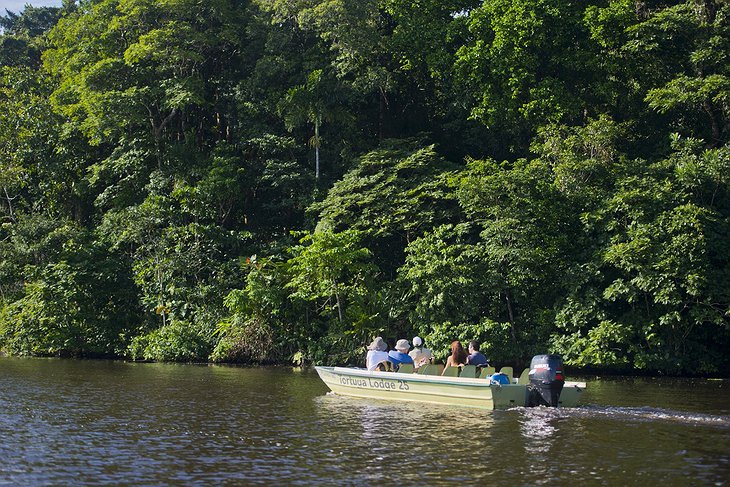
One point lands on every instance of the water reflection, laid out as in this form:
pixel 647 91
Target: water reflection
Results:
pixel 537 430
pixel 539 434
pixel 422 440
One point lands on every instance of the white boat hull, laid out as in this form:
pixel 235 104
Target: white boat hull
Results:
pixel 477 393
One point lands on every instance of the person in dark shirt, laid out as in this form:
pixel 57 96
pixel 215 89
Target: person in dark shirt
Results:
pixel 475 356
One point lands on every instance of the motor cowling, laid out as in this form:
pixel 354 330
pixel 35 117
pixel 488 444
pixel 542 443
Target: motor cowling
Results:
pixel 546 380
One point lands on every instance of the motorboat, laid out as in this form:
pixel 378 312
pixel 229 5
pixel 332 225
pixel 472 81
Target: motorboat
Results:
pixel 541 385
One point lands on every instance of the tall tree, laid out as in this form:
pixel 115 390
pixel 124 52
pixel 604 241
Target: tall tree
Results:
pixel 527 64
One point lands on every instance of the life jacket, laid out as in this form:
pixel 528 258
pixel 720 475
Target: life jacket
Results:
pixel 385 366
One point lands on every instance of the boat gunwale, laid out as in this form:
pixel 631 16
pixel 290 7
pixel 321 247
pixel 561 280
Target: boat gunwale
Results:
pixel 436 379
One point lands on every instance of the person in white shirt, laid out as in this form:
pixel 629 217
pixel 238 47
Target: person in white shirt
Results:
pixel 377 352
pixel 420 354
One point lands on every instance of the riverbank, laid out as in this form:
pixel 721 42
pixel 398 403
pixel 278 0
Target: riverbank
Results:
pixel 568 370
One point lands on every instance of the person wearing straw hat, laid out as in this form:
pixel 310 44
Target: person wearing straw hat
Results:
pixel 377 353
pixel 420 354
pixel 400 354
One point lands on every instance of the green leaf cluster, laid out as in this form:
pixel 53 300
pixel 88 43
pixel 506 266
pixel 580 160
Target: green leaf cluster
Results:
pixel 262 181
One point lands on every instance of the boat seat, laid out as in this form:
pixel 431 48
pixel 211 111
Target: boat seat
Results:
pixel 405 368
pixel 469 371
pixel 487 372
pixel 524 377
pixel 430 369
pixel 451 372
pixel 423 369
pixel 508 372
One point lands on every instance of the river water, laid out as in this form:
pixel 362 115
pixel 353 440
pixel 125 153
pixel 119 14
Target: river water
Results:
pixel 69 422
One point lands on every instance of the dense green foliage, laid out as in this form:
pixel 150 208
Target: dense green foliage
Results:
pixel 268 181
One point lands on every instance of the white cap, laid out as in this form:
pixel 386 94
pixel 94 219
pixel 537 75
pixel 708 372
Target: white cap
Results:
pixel 417 341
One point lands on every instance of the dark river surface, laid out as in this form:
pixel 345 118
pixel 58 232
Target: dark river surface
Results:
pixel 69 422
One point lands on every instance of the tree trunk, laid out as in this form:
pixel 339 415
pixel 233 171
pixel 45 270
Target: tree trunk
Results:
pixel 157 132
pixel 9 199
pixel 381 114
pixel 511 313
pixel 339 304
pixel 316 149
pixel 714 124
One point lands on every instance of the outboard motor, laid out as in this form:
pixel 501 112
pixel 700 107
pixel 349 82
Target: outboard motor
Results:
pixel 546 380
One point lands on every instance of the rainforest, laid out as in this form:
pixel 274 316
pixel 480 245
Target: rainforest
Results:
pixel 280 181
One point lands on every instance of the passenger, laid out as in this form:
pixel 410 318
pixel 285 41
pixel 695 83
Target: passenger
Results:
pixel 400 354
pixel 420 354
pixel 458 356
pixel 377 352
pixel 475 356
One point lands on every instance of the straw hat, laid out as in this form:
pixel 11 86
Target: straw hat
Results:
pixel 402 345
pixel 378 344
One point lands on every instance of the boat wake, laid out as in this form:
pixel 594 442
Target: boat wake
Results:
pixel 659 414
pixel 651 414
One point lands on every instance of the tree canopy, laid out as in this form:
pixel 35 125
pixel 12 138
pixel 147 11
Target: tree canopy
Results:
pixel 279 181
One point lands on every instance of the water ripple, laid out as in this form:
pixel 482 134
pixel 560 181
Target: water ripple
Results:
pixel 72 422
pixel 650 414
